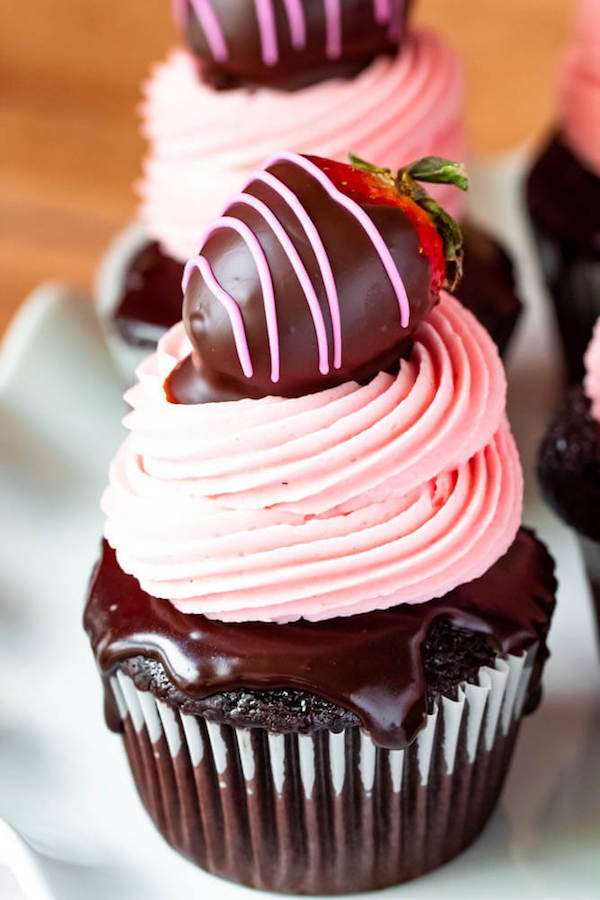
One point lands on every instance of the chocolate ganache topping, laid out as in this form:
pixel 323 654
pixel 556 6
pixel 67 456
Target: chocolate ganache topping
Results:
pixel 288 43
pixel 317 273
pixel 511 605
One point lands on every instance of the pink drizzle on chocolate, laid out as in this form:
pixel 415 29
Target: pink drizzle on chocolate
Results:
pixel 207 17
pixel 333 18
pixel 383 13
pixel 319 250
pixel 269 262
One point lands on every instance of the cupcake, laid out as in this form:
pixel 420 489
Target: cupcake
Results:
pixel 563 194
pixel 569 463
pixel 293 75
pixel 288 45
pixel 317 620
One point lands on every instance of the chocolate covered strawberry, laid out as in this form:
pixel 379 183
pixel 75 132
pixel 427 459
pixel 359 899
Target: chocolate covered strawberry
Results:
pixel 317 273
pixel 440 237
pixel 285 44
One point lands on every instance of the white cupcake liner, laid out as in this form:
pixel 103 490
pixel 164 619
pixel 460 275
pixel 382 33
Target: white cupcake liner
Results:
pixel 328 812
pixel 109 287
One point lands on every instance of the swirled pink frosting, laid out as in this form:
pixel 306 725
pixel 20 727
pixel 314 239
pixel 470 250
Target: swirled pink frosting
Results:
pixel 580 87
pixel 203 143
pixel 339 502
pixel 591 382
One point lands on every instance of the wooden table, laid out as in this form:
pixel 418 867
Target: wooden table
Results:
pixel 69 83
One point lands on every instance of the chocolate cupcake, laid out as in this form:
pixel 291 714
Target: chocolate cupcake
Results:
pixel 569 464
pixel 316 617
pixel 344 77
pixel 563 195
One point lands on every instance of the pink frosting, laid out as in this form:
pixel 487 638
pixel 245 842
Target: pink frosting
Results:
pixel 580 87
pixel 204 143
pixel 351 499
pixel 591 382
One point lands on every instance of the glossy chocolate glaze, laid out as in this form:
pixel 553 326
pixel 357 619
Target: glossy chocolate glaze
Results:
pixel 372 335
pixel 369 664
pixel 451 656
pixel 564 205
pixel 362 39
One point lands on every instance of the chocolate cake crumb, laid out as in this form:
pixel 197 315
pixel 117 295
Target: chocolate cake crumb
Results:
pixel 451 656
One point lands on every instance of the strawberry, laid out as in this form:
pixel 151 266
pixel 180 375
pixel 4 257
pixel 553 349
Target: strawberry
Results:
pixel 439 235
pixel 319 272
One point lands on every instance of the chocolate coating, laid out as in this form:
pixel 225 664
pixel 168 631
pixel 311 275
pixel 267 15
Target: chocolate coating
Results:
pixel 152 297
pixel 290 66
pixel 569 465
pixel 369 665
pixel 373 338
pixel 563 198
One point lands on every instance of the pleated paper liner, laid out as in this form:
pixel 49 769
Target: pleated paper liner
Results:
pixel 325 813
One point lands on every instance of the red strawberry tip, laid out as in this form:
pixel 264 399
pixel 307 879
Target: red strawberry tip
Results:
pixel 431 170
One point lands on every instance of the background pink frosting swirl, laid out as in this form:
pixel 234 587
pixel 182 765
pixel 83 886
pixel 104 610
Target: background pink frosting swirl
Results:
pixel 203 143
pixel 580 87
pixel 591 382
pixel 334 503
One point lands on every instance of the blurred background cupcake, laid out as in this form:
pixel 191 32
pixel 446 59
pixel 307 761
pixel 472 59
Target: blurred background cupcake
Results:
pixel 71 78
pixel 569 463
pixel 336 79
pixel 563 193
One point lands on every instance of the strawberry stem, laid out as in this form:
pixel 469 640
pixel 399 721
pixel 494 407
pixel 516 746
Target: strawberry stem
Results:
pixel 436 170
pixel 431 170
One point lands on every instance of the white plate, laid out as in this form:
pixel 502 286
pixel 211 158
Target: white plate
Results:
pixel 64 781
